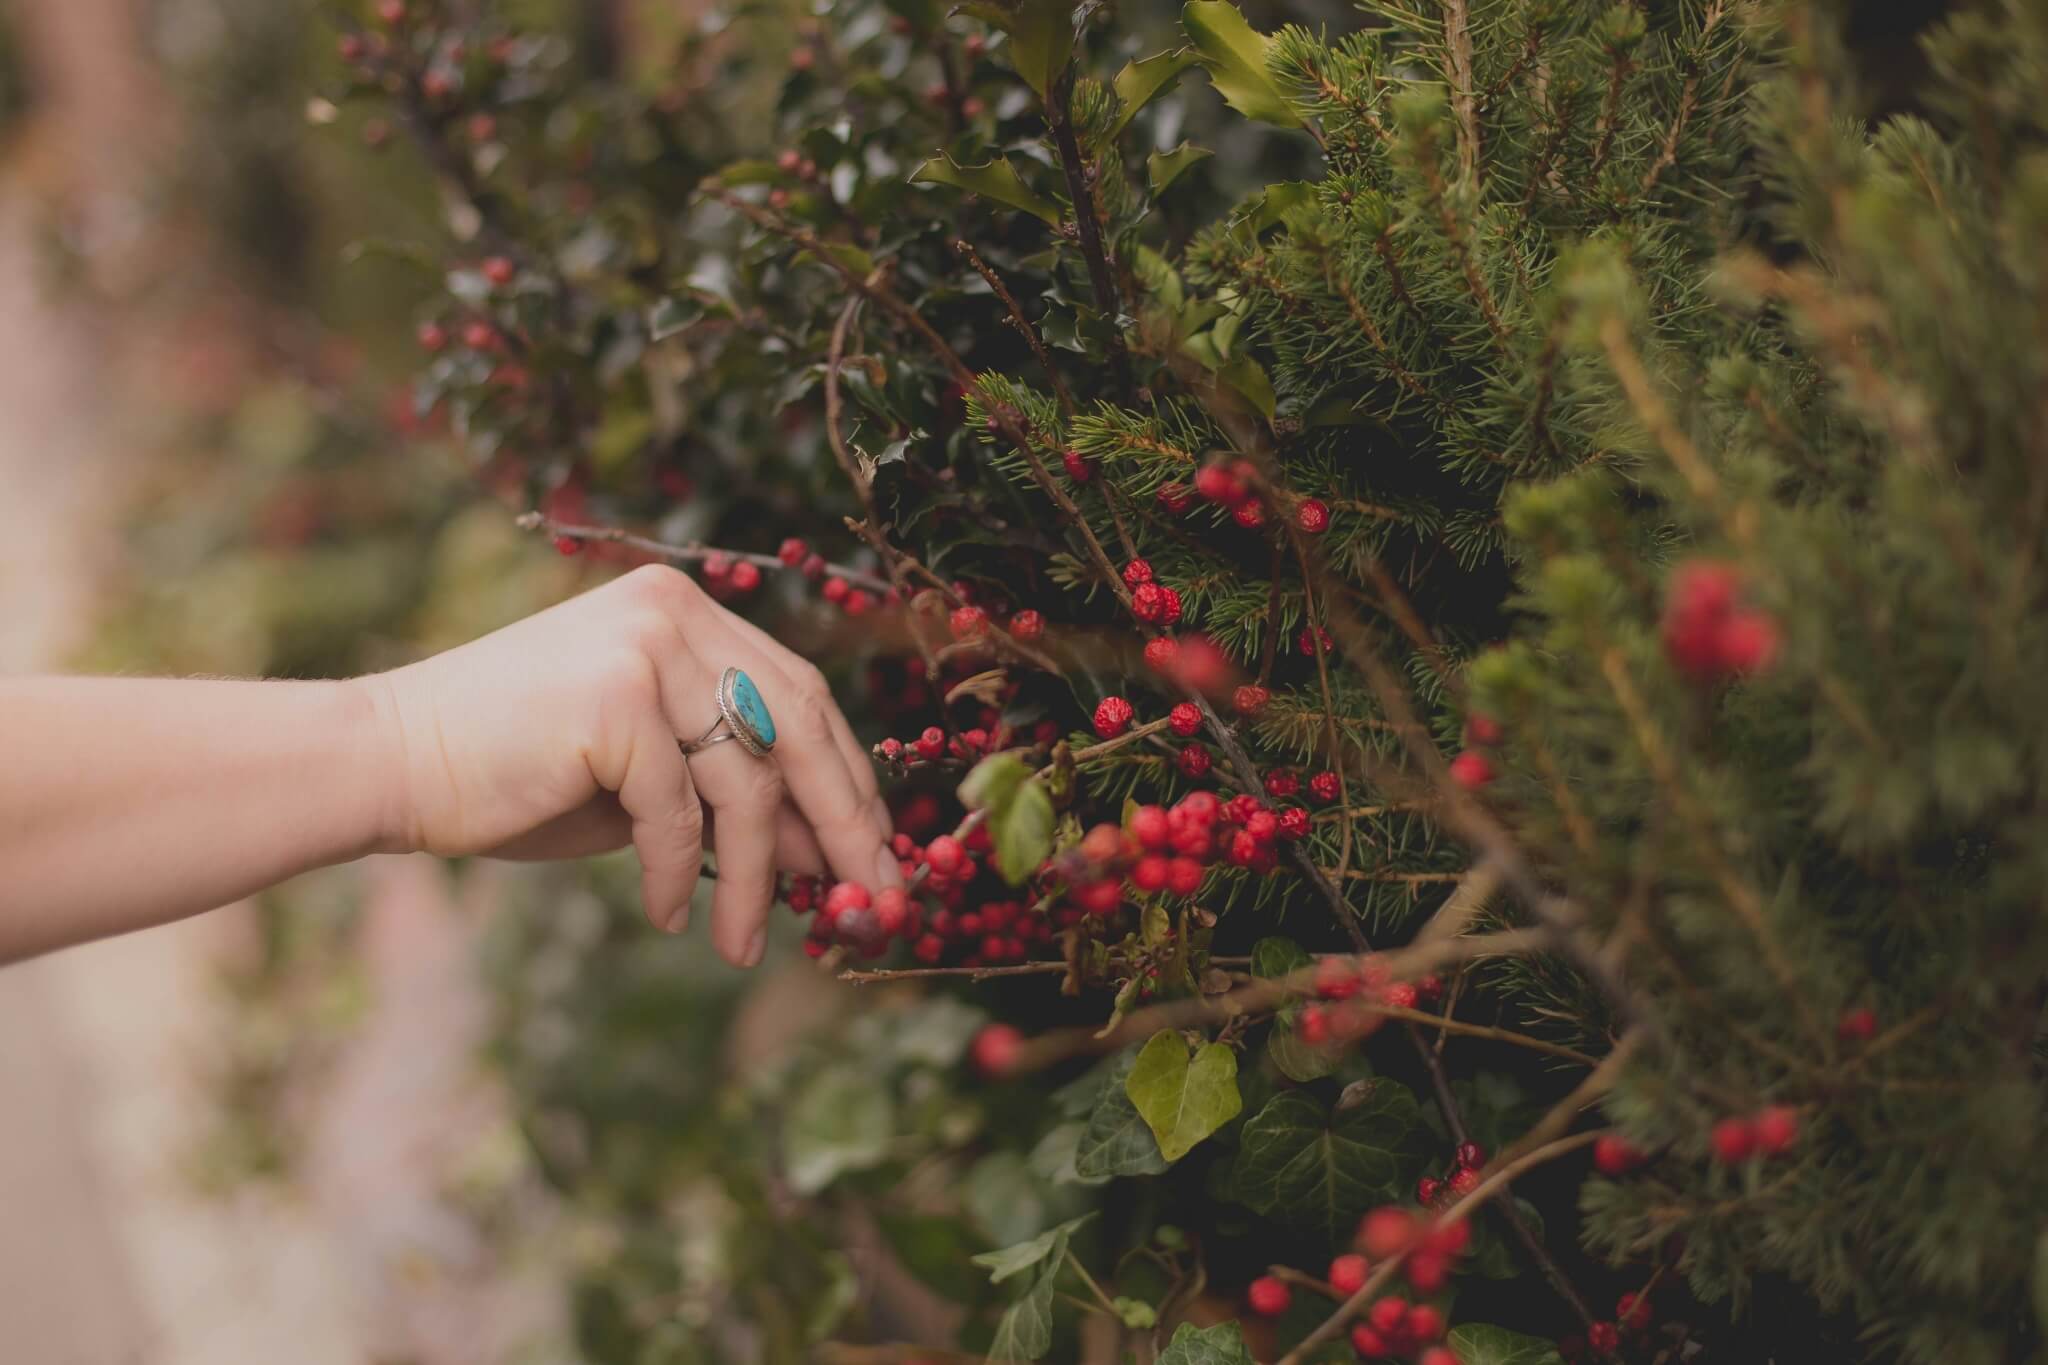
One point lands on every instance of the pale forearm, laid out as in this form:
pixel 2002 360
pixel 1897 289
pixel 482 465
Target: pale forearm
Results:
pixel 130 802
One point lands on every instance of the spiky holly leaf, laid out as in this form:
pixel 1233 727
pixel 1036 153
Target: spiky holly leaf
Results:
pixel 1235 54
pixel 994 179
pixel 1140 81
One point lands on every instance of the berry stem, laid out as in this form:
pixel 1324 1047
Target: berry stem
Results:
pixel 692 553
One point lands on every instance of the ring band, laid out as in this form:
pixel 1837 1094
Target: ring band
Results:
pixel 742 715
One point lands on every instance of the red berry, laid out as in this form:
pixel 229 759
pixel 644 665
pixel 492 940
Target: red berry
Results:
pixel 479 336
pixel 974 44
pixel 1632 1313
pixel 1151 828
pixel 968 622
pixel 1176 497
pixel 745 577
pixel 1336 978
pixel 1463 1181
pixel 1427 1189
pixel 567 545
pixel 1268 1296
pixel 1169 606
pixel 1471 1154
pixel 1777 1128
pixel 1162 654
pixel 432 337
pixel 1282 783
pixel 945 855
pixel 391 11
pixel 500 271
pixel 1215 483
pixel 813 567
pixel 891 749
pixel 1027 625
pixel 1150 873
pixel 1312 516
pixel 792 552
pixel 1427 1271
pixel 1424 1323
pixel 1369 1343
pixel 1184 719
pixel 1438 1355
pixel 350 47
pixel 931 743
pixel 857 602
pixel 1734 1140
pixel 1112 717
pixel 1482 728
pixel 1857 1025
pixel 929 949
pixel 1449 1239
pixel 788 160
pixel 1348 1272
pixel 892 910
pixel 1148 602
pixel 1614 1155
pixel 1264 826
pixel 1100 898
pixel 1136 572
pixel 1201 807
pixel 1078 467
pixel 1193 762
pixel 1325 787
pixel 1294 823
pixel 835 589
pixel 1748 642
pixel 1183 876
pixel 1250 514
pixel 437 85
pixel 1313 1026
pixel 997 1049
pixel 1472 770
pixel 1604 1338
pixel 802 59
pixel 1313 640
pixel 1388 1315
pixel 1385 1232
pixel 1249 698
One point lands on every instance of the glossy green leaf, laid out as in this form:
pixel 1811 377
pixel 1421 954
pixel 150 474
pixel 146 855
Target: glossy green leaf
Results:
pixel 1477 1343
pixel 1183 1099
pixel 994 179
pixel 1117 1140
pixel 1163 168
pixel 1025 1331
pixel 1248 378
pixel 1222 1344
pixel 1275 956
pixel 993 781
pixel 1022 833
pixel 1235 55
pixel 1309 1168
pixel 1041 35
pixel 1140 82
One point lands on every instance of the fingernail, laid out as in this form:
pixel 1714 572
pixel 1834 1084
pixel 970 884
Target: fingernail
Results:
pixel 680 920
pixel 888 872
pixel 756 945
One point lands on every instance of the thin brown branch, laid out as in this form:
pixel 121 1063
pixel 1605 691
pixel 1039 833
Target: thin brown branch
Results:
pixel 1059 120
pixel 1019 321
pixel 693 553
pixel 1458 63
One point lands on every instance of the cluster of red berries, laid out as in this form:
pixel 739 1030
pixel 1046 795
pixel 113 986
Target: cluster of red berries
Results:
pixel 1614 1155
pixel 1391 1327
pixel 1459 1181
pixel 1473 768
pixel 1235 485
pixel 1170 849
pixel 968 745
pixel 1769 1132
pixel 1632 1317
pixel 1708 634
pixel 1152 602
pixel 1353 986
pixel 1432 1246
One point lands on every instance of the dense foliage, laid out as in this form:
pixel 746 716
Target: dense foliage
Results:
pixel 1550 499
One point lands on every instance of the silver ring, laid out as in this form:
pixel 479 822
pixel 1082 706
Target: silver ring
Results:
pixel 742 715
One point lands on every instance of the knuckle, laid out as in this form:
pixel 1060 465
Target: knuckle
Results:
pixel 763 792
pixel 812 716
pixel 626 678
pixel 656 585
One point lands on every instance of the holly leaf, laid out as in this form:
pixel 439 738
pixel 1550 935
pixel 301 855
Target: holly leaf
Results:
pixel 1309 1168
pixel 1476 1343
pixel 1222 1344
pixel 1001 1265
pixel 994 179
pixel 1117 1140
pixel 1183 1099
pixel 1041 35
pixel 1259 212
pixel 1163 168
pixel 1235 55
pixel 1140 82
pixel 841 1121
pixel 1248 377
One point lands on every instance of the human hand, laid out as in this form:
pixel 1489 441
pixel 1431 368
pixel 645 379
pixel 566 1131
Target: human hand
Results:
pixel 557 737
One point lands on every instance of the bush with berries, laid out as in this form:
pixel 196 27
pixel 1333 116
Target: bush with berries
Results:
pixel 1443 595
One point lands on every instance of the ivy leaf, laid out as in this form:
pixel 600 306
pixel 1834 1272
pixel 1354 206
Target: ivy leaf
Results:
pixel 1183 1100
pixel 1275 956
pixel 1041 35
pixel 993 781
pixel 1476 1343
pixel 1222 1344
pixel 1001 1265
pixel 1308 1168
pixel 1235 54
pixel 842 1121
pixel 1163 168
pixel 1117 1141
pixel 1025 1331
pixel 1141 81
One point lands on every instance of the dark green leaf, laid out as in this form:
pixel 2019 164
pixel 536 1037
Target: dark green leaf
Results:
pixel 1001 1265
pixel 994 179
pixel 1183 1099
pixel 936 1249
pixel 1025 1332
pixel 841 1121
pixel 1041 35
pixel 1248 377
pixel 1307 1168
pixel 1276 957
pixel 1117 1141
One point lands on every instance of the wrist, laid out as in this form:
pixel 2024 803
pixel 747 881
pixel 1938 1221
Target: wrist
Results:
pixel 376 737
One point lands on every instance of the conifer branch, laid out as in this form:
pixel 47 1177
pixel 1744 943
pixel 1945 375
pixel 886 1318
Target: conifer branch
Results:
pixel 1059 118
pixel 1019 321
pixel 1458 69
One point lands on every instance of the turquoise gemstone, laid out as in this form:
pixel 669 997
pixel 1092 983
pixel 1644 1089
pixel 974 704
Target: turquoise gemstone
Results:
pixel 751 709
